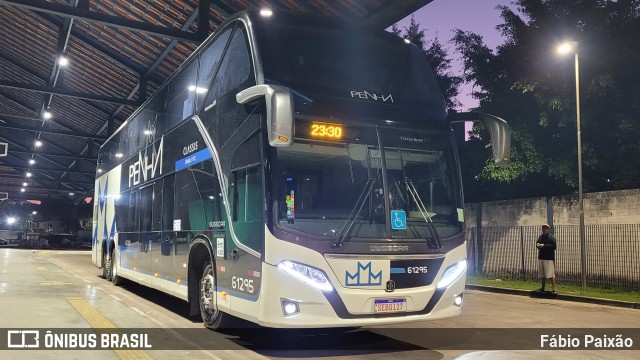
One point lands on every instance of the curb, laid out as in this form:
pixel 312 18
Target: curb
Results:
pixel 583 299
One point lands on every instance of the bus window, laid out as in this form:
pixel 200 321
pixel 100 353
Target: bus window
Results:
pixel 181 93
pixel 167 202
pixel 206 179
pixel 131 221
pixel 209 61
pixel 188 208
pixel 245 193
pixel 156 221
pixel 145 208
pixel 235 68
pixel 155 109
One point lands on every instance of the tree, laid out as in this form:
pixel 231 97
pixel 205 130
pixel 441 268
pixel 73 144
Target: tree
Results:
pixel 531 87
pixel 438 59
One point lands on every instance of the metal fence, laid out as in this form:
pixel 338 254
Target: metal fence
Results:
pixel 612 254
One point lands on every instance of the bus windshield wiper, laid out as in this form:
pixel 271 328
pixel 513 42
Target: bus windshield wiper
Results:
pixel 355 212
pixel 434 241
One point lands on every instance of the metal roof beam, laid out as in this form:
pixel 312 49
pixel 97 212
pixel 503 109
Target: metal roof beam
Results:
pixel 31 72
pixel 218 6
pixel 64 92
pixel 38 178
pixel 44 131
pixel 126 62
pixel 44 141
pixel 28 169
pixel 21 104
pixel 16 167
pixel 203 18
pixel 13 156
pixel 77 157
pixel 29 147
pixel 30 190
pixel 100 17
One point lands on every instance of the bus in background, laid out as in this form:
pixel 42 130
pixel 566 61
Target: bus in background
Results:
pixel 295 171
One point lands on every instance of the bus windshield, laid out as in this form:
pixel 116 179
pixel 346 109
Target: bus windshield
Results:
pixel 339 61
pixel 321 186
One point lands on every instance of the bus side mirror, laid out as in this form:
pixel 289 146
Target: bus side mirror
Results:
pixel 280 112
pixel 498 128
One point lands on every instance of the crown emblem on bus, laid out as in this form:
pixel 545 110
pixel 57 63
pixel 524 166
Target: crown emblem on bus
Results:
pixel 363 276
pixel 146 166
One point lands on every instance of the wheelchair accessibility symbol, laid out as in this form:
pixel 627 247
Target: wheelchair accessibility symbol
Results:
pixel 398 220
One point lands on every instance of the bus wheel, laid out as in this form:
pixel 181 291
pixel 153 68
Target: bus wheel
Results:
pixel 106 267
pixel 211 316
pixel 115 279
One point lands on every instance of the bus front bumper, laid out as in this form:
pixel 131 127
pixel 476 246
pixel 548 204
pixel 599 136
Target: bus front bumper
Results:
pixel 286 302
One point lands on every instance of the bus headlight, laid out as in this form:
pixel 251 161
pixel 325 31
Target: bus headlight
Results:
pixel 452 273
pixel 310 275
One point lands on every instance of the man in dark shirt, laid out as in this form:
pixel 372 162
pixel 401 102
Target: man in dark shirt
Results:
pixel 546 245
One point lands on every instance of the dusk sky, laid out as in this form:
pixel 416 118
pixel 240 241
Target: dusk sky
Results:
pixel 440 17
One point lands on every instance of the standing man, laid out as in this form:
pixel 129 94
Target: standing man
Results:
pixel 546 245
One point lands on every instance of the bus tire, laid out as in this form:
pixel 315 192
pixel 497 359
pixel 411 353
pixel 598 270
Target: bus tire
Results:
pixel 211 317
pixel 115 279
pixel 106 267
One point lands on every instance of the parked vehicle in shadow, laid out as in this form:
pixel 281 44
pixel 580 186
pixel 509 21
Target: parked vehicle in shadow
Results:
pixel 60 241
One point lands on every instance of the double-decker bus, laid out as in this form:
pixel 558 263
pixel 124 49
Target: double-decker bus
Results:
pixel 295 171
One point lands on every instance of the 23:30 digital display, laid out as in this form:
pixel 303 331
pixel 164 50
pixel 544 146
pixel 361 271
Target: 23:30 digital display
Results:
pixel 326 131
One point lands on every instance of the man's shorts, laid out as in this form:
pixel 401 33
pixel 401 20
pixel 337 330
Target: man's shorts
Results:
pixel 546 269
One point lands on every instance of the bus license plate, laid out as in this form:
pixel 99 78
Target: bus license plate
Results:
pixel 381 306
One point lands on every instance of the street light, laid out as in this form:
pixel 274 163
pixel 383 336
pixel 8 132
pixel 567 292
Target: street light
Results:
pixel 567 48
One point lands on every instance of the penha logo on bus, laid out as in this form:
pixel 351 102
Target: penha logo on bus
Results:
pixel 371 96
pixel 146 166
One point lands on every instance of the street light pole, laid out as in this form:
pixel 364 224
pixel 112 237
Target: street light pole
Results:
pixel 567 48
pixel 583 246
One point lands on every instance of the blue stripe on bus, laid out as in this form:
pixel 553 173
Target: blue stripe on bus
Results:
pixel 193 159
pixel 398 270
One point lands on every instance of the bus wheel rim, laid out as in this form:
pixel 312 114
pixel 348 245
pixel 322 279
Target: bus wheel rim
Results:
pixel 206 295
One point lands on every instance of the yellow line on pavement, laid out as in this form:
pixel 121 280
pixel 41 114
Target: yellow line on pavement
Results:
pixel 42 268
pixel 98 321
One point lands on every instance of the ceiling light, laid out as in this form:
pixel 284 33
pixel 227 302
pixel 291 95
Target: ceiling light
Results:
pixel 119 155
pixel 71 194
pixel 22 190
pixel 38 143
pixel 63 61
pixel 407 41
pixel 197 89
pixel 266 12
pixel 34 213
pixel 99 170
pixel 147 132
pixel 32 161
pixel 46 115
pixel 28 174
pixel 25 184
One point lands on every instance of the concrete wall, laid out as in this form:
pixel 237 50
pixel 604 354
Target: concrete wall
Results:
pixel 610 207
